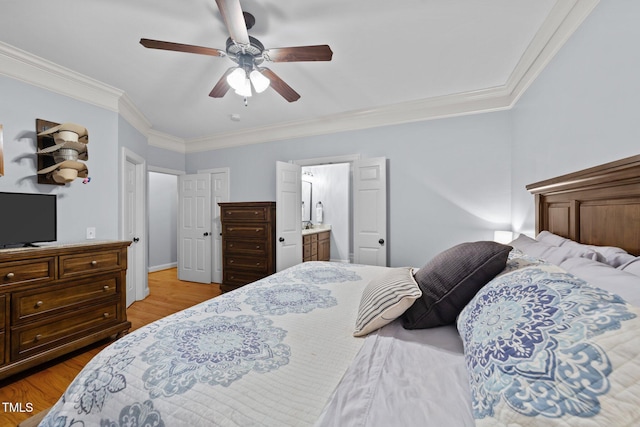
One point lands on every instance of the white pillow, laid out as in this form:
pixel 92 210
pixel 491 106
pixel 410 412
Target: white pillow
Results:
pixel 632 266
pixel 550 238
pixel 611 255
pixel 606 277
pixel 385 298
pixel 553 254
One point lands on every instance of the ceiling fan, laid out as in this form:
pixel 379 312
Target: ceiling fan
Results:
pixel 249 54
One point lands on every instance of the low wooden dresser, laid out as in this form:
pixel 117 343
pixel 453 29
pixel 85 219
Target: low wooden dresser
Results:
pixel 248 242
pixel 57 299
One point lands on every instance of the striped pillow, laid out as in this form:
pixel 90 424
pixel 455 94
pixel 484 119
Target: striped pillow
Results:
pixel 385 299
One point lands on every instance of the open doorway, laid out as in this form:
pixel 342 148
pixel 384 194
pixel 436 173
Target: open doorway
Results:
pixel 163 220
pixel 330 186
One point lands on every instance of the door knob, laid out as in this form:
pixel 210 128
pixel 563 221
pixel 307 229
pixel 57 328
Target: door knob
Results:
pixel 206 234
pixel 381 241
pixel 281 239
pixel 136 239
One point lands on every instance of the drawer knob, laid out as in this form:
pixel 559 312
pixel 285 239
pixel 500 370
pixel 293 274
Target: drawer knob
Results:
pixel 257 263
pixel 39 304
pixel 10 275
pixel 230 228
pixel 94 262
pixel 257 230
pixel 255 212
pixel 105 287
pixel 231 261
pixel 105 315
pixel 257 246
pixel 37 338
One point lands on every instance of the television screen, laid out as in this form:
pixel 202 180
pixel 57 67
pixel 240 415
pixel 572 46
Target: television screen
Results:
pixel 27 218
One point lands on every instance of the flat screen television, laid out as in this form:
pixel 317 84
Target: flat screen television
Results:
pixel 26 219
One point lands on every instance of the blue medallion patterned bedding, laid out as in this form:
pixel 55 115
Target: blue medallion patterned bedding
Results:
pixel 270 353
pixel 535 346
pixel 543 347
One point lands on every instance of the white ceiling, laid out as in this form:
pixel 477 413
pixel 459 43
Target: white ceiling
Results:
pixel 386 53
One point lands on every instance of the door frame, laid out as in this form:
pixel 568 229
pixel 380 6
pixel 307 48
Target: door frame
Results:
pixel 348 158
pixel 140 261
pixel 216 258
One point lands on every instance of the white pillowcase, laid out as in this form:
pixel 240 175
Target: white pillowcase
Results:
pixel 611 255
pixel 632 266
pixel 553 254
pixel 604 276
pixel 385 298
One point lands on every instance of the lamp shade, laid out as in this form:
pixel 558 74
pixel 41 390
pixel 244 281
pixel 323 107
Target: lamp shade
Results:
pixel 244 89
pixel 237 78
pixel 260 82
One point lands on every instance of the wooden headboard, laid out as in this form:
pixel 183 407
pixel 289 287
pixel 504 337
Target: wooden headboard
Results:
pixel 596 206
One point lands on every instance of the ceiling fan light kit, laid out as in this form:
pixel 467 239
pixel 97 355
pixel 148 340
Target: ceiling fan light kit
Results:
pixel 248 53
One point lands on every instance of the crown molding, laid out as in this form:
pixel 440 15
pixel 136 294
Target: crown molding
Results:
pixel 36 71
pixel 563 20
pixel 130 112
pixel 424 109
pixel 165 141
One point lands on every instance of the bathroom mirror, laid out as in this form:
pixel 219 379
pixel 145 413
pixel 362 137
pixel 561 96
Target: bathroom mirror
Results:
pixel 306 200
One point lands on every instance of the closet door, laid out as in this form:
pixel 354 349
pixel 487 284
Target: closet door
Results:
pixel 194 228
pixel 370 211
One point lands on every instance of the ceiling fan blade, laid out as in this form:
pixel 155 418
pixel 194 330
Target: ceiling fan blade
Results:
pixel 280 86
pixel 234 20
pixel 179 47
pixel 299 53
pixel 222 87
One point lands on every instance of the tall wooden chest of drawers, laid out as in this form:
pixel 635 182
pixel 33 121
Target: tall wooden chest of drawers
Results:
pixel 248 242
pixel 57 299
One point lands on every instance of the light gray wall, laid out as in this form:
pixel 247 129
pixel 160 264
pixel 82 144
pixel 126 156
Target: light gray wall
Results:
pixel 79 205
pixel 163 218
pixel 582 110
pixel 449 179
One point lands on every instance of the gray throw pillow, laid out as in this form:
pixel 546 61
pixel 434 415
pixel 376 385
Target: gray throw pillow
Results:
pixel 451 279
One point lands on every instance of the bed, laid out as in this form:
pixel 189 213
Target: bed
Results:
pixel 507 337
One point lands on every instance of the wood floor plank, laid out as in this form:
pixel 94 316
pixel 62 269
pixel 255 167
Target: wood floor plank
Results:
pixel 42 386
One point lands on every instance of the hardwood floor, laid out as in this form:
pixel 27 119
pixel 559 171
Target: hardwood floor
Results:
pixel 41 387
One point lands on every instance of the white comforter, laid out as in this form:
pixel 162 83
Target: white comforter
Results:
pixel 269 354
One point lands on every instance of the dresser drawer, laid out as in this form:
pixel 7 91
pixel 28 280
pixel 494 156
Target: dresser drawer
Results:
pixel 89 262
pixel 52 299
pixel 257 264
pixel 239 278
pixel 238 231
pixel 27 340
pixel 244 247
pixel 32 270
pixel 245 213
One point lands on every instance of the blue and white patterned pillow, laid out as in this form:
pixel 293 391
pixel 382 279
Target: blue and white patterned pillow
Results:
pixel 542 343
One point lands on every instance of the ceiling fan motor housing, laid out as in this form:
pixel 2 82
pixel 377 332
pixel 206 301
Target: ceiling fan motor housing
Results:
pixel 242 54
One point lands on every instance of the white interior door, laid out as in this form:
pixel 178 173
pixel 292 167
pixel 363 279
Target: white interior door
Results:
pixel 370 211
pixel 219 193
pixel 133 225
pixel 130 228
pixel 194 228
pixel 288 215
